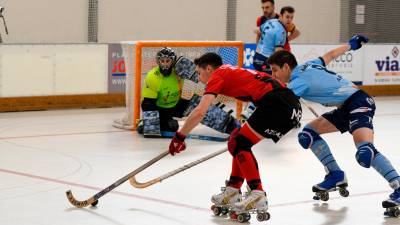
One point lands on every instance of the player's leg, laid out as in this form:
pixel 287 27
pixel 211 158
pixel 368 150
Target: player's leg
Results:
pixel 367 155
pixel 240 144
pixel 231 193
pixel 277 114
pixel 151 124
pixel 309 138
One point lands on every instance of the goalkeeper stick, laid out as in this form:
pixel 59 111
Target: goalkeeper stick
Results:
pixel 94 199
pixel 137 184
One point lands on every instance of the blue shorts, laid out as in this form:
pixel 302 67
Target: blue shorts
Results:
pixel 260 63
pixel 356 112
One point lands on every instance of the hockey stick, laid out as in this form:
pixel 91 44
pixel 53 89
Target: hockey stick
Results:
pixel 93 200
pixel 168 134
pixel 137 184
pixel 309 107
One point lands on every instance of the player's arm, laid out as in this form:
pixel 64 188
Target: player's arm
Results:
pixel 258 35
pixel 150 91
pixel 293 34
pixel 354 43
pixel 280 40
pixel 196 116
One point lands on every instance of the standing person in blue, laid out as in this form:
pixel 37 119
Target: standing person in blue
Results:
pixel 272 38
pixel 354 113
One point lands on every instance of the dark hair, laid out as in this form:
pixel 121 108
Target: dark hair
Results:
pixel 272 1
pixel 288 9
pixel 209 58
pixel 281 57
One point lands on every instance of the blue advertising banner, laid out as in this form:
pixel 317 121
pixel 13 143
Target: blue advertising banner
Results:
pixel 249 51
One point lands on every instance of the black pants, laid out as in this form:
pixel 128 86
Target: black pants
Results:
pixel 276 114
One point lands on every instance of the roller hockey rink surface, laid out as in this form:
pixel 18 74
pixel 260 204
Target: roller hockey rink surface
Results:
pixel 45 153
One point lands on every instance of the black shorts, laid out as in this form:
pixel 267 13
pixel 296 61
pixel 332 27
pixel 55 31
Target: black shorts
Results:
pixel 276 114
pixel 356 112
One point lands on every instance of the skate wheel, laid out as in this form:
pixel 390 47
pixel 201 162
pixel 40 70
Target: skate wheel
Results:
pixel 95 203
pixel 316 198
pixel 244 217
pixel 344 193
pixel 267 216
pixel 260 217
pixel 263 216
pixel 396 213
pixel 325 196
pixel 216 210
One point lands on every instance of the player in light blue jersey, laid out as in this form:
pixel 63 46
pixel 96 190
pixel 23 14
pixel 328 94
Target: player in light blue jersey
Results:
pixel 273 38
pixel 354 113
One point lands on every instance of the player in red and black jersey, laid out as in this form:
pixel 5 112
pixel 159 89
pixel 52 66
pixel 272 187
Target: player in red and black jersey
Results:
pixel 278 110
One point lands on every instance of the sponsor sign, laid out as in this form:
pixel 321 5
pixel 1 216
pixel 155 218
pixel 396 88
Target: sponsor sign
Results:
pixel 382 64
pixel 116 69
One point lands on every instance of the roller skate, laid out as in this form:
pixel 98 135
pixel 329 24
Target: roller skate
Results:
pixel 224 200
pixel 392 205
pixel 333 181
pixel 255 202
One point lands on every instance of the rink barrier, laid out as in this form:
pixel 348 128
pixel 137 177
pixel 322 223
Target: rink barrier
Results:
pixel 59 76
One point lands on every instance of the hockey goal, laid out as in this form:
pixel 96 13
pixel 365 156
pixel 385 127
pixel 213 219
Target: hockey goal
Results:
pixel 140 56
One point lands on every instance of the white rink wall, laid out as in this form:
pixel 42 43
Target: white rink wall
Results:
pixel 60 21
pixel 43 70
pixel 76 69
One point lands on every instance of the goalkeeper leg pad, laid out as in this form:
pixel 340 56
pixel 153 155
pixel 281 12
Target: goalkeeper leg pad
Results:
pixel 151 124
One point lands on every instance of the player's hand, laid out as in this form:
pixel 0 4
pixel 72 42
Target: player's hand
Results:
pixel 177 143
pixel 356 41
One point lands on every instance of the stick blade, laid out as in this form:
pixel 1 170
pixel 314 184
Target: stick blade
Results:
pixel 76 203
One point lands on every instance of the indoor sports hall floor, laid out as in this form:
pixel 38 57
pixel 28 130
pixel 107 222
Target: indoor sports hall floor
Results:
pixel 45 153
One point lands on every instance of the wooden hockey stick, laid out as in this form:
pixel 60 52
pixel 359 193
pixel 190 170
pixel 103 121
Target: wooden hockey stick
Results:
pixel 137 184
pixel 309 107
pixel 93 200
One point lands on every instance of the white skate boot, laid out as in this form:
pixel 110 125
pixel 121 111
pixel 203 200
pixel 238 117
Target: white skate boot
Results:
pixel 225 200
pixel 255 202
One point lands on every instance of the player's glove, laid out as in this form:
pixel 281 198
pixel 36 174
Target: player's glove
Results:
pixel 177 143
pixel 356 41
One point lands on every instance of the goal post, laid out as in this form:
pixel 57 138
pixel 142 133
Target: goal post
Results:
pixel 139 58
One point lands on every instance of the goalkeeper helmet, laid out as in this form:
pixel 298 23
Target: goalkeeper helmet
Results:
pixel 166 58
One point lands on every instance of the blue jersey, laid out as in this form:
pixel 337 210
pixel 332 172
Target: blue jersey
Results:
pixel 313 82
pixel 273 34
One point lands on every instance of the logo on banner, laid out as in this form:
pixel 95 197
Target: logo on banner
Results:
pixel 390 65
pixel 248 57
pixel 248 54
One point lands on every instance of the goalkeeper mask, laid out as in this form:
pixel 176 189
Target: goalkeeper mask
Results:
pixel 166 58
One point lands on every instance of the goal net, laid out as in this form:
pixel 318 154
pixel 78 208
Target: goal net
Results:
pixel 140 57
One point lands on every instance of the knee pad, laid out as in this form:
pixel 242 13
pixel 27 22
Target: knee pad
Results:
pixel 242 139
pixel 366 152
pixel 307 137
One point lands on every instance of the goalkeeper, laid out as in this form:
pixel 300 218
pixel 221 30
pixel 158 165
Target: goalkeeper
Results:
pixel 162 96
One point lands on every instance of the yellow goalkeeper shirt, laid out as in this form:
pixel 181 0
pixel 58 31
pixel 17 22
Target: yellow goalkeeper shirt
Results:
pixel 167 90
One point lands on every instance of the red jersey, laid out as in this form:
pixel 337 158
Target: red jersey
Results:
pixel 242 84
